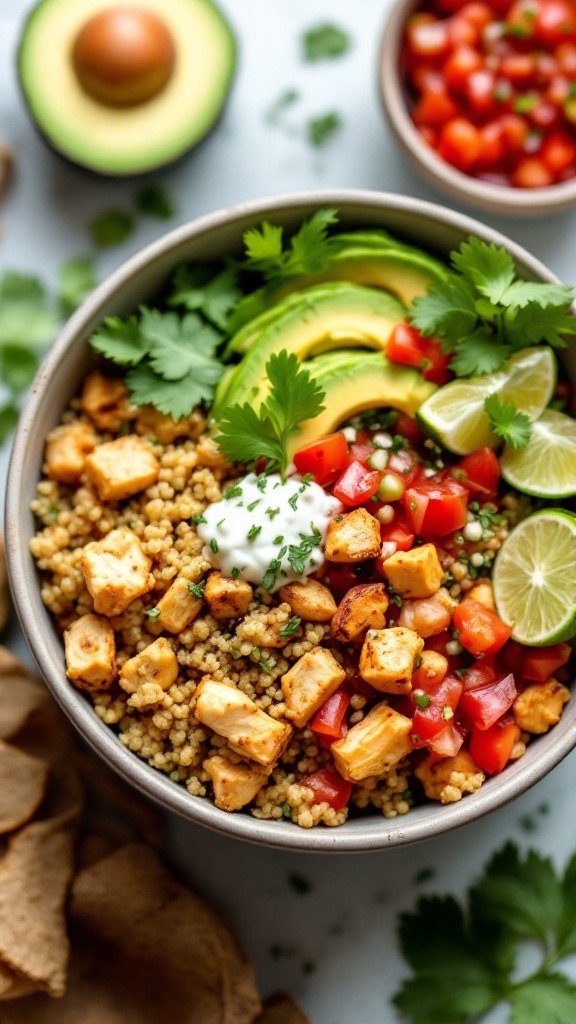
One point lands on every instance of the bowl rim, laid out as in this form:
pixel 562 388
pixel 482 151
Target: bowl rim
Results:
pixel 377 832
pixel 484 195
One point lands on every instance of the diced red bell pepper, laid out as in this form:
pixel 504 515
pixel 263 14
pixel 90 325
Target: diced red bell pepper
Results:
pixel 539 663
pixel 329 720
pixel 479 472
pixel 482 706
pixel 490 749
pixel 325 458
pixel 436 506
pixel 480 629
pixel 448 741
pixel 356 485
pixel 408 346
pixel 329 787
pixel 434 706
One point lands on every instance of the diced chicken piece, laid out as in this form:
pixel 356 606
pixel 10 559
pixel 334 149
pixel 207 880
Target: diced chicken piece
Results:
pixel 157 664
pixel 388 657
pixel 311 601
pixel 353 537
pixel 249 731
pixel 116 571
pixel 104 400
pixel 209 453
pixel 227 598
pixel 483 593
pixel 428 615
pixel 235 785
pixel 309 682
pixel 166 429
pixel 414 573
pixel 540 706
pixel 178 607
pixel 362 608
pixel 118 469
pixel 374 745
pixel 66 451
pixel 90 651
pixel 448 779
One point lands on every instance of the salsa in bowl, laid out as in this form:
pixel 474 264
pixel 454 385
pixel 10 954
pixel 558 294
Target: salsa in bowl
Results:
pixel 299 625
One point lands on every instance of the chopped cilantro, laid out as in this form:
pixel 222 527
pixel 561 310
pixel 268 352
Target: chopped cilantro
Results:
pixel 324 42
pixel 272 513
pixel 212 292
pixel 286 810
pixel 291 626
pixel 309 250
pixel 298 554
pixel 422 699
pixel 261 483
pixel 198 518
pixel 76 278
pixel 235 573
pixel 271 574
pixel 286 99
pixel 214 545
pixel 111 228
pixel 321 129
pixel 293 501
pixel 152 613
pixel 197 589
pixel 253 532
pixel 154 201
pixel 233 492
pixel 253 504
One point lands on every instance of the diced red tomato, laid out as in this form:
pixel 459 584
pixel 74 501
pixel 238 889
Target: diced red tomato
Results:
pixel 406 345
pixel 356 485
pixel 438 643
pixel 480 629
pixel 436 506
pixel 532 173
pixel 460 143
pixel 460 64
pixel 482 706
pixel 409 428
pixel 479 673
pixel 434 109
pixel 434 705
pixel 448 741
pixel 558 152
pixel 490 749
pixel 405 464
pixel 329 720
pixel 555 22
pixel 398 532
pixel 479 472
pixel 329 787
pixel 536 664
pixel 325 458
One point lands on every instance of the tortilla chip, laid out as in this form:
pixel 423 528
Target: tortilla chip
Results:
pixel 35 875
pixel 281 1009
pixel 113 808
pixel 20 694
pixel 23 782
pixel 14 985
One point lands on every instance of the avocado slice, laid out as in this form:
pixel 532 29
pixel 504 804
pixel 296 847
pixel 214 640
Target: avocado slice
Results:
pixel 354 381
pixel 132 136
pixel 333 315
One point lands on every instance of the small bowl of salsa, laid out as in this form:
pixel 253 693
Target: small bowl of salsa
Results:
pixel 481 95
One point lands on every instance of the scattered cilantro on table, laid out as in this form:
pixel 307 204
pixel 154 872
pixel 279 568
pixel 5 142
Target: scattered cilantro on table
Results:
pixel 153 201
pixel 506 421
pixel 112 227
pixel 463 955
pixel 321 129
pixel 286 99
pixel 307 252
pixel 324 42
pixel 76 279
pixel 482 313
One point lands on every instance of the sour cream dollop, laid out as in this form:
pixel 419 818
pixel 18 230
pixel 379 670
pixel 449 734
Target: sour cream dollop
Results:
pixel 267 530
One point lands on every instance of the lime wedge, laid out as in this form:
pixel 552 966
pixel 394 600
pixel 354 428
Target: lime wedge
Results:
pixel 546 466
pixel 534 578
pixel 454 415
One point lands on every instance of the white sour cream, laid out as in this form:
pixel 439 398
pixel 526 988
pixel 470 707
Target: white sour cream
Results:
pixel 253 533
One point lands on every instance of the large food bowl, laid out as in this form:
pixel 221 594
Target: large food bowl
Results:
pixel 424 224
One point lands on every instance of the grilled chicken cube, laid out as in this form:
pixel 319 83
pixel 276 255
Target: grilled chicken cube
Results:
pixel 235 785
pixel 227 598
pixel 448 779
pixel 166 429
pixel 90 651
pixel 66 450
pixel 116 571
pixel 414 573
pixel 311 601
pixel 374 745
pixel 353 537
pixel 249 731
pixel 157 664
pixel 388 658
pixel 428 616
pixel 178 607
pixel 105 401
pixel 120 468
pixel 362 608
pixel 540 706
pixel 309 682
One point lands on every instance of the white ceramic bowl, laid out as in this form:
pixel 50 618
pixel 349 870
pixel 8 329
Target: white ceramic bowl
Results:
pixel 511 202
pixel 432 227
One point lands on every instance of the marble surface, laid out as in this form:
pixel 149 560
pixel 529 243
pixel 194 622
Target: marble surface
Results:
pixel 333 946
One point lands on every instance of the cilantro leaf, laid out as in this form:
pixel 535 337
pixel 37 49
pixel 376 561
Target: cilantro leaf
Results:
pixel 566 928
pixel 523 895
pixel 308 252
pixel 546 999
pixel 175 399
pixel 285 100
pixel 8 419
pixel 154 201
pixel 18 366
pixel 447 311
pixel 177 346
pixel 531 324
pixel 214 295
pixel 245 436
pixel 321 129
pixel 264 248
pixel 478 353
pixel 488 267
pixel 543 294
pixel 111 228
pixel 324 41
pixel 25 317
pixel 76 279
pixel 121 341
pixel 506 421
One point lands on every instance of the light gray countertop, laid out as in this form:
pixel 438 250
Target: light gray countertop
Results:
pixel 335 945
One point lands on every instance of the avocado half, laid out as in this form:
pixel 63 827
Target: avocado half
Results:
pixel 131 139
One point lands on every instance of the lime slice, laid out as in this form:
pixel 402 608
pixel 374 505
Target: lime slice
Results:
pixel 534 578
pixel 546 466
pixel 454 415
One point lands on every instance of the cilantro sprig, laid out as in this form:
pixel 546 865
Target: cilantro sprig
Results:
pixel 483 313
pixel 215 294
pixel 463 956
pixel 307 252
pixel 247 435
pixel 506 421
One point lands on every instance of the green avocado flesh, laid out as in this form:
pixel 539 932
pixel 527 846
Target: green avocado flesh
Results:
pixel 354 381
pixel 134 139
pixel 326 317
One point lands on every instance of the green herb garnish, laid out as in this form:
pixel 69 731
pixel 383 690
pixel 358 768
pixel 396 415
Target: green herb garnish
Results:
pixel 214 545
pixel 152 613
pixel 253 532
pixel 76 279
pixel 324 42
pixel 111 228
pixel 271 573
pixel 308 251
pixel 299 554
pixel 197 589
pixel 291 626
pixel 321 129
pixel 506 421
pixel 154 201
pixel 198 518
pixel 213 293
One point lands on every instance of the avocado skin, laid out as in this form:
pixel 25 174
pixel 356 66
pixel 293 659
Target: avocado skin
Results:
pixel 354 381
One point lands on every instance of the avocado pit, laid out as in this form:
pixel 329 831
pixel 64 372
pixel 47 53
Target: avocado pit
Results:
pixel 123 56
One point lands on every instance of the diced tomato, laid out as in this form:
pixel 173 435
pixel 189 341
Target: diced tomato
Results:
pixel 409 428
pixel 519 68
pixel 448 741
pixel 427 38
pixel 479 673
pixel 515 129
pixel 480 89
pixel 493 145
pixel 482 706
pixel 478 13
pixel 435 704
pixel 555 22
pixel 532 173
pixel 479 472
pixel 480 629
pixel 434 108
pixel 537 664
pixel 460 64
pixel 490 749
pixel 356 485
pixel 330 718
pixel 361 448
pixel 406 345
pixel 460 143
pixel 438 643
pixel 329 787
pixel 325 458
pixel 436 506
pixel 398 532
pixel 405 464
pixel 558 152
pixel 341 578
